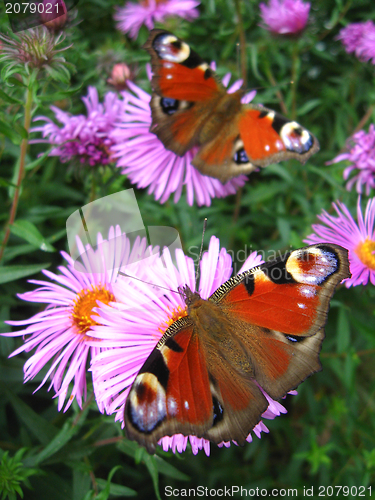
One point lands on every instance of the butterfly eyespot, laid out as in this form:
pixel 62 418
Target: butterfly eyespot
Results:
pixel 147 403
pixel 293 338
pixel 240 156
pixel 177 44
pixel 295 138
pixel 168 105
pixel 170 48
pixel 218 411
pixel 313 267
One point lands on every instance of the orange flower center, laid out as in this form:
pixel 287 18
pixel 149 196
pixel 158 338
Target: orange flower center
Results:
pixel 173 315
pixel 366 252
pixel 84 303
pixel 157 2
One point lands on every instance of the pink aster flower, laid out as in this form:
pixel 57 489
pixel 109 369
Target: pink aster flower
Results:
pixel 146 162
pixel 358 238
pixel 86 138
pixel 130 333
pixel 285 17
pixel 60 331
pixel 360 39
pixel 361 155
pixel 131 17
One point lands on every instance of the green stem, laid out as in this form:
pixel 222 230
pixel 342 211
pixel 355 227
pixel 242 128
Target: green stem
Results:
pixel 295 63
pixel 243 60
pixel 279 95
pixel 21 171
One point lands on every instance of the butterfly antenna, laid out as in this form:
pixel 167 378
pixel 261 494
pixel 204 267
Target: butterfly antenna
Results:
pixel 148 282
pixel 200 253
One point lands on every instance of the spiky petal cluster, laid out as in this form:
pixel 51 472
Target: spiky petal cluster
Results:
pixel 133 15
pixel 84 138
pixel 360 39
pixel 285 17
pixel 361 155
pixel 35 48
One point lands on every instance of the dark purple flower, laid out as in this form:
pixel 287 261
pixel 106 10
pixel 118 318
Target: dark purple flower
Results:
pixel 361 155
pixel 86 138
pixel 360 39
pixel 131 17
pixel 285 17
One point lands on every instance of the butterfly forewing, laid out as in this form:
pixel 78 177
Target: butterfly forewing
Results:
pixel 281 308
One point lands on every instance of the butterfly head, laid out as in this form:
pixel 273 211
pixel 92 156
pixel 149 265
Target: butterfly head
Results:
pixel 191 298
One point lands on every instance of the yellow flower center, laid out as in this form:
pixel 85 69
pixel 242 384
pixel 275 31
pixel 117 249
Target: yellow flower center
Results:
pixel 84 303
pixel 173 315
pixel 366 252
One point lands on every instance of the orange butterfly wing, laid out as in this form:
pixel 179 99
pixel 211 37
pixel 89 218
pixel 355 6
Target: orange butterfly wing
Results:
pixel 179 390
pixel 190 107
pixel 263 328
pixel 282 308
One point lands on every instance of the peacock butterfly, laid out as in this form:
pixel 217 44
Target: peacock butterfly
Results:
pixel 190 107
pixel 261 329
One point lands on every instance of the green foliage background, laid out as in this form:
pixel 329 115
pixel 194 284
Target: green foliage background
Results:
pixel 328 435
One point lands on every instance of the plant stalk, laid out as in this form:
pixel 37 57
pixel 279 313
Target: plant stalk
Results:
pixel 21 171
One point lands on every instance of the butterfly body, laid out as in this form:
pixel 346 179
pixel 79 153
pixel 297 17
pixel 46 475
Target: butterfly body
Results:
pixel 190 107
pixel 261 331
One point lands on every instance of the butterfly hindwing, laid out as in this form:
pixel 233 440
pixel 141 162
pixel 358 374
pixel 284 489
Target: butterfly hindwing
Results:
pixel 187 388
pixel 171 393
pixel 190 107
pixel 185 91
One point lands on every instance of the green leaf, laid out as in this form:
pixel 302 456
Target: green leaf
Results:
pixel 343 331
pixel 308 106
pixel 43 430
pixel 67 432
pixel 9 99
pixel 39 160
pixel 6 183
pixel 21 131
pixel 116 490
pixel 150 462
pixel 169 470
pixel 104 495
pixel 60 75
pixel 9 132
pixel 15 81
pixel 59 95
pixel 26 230
pixel 11 252
pixel 12 273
